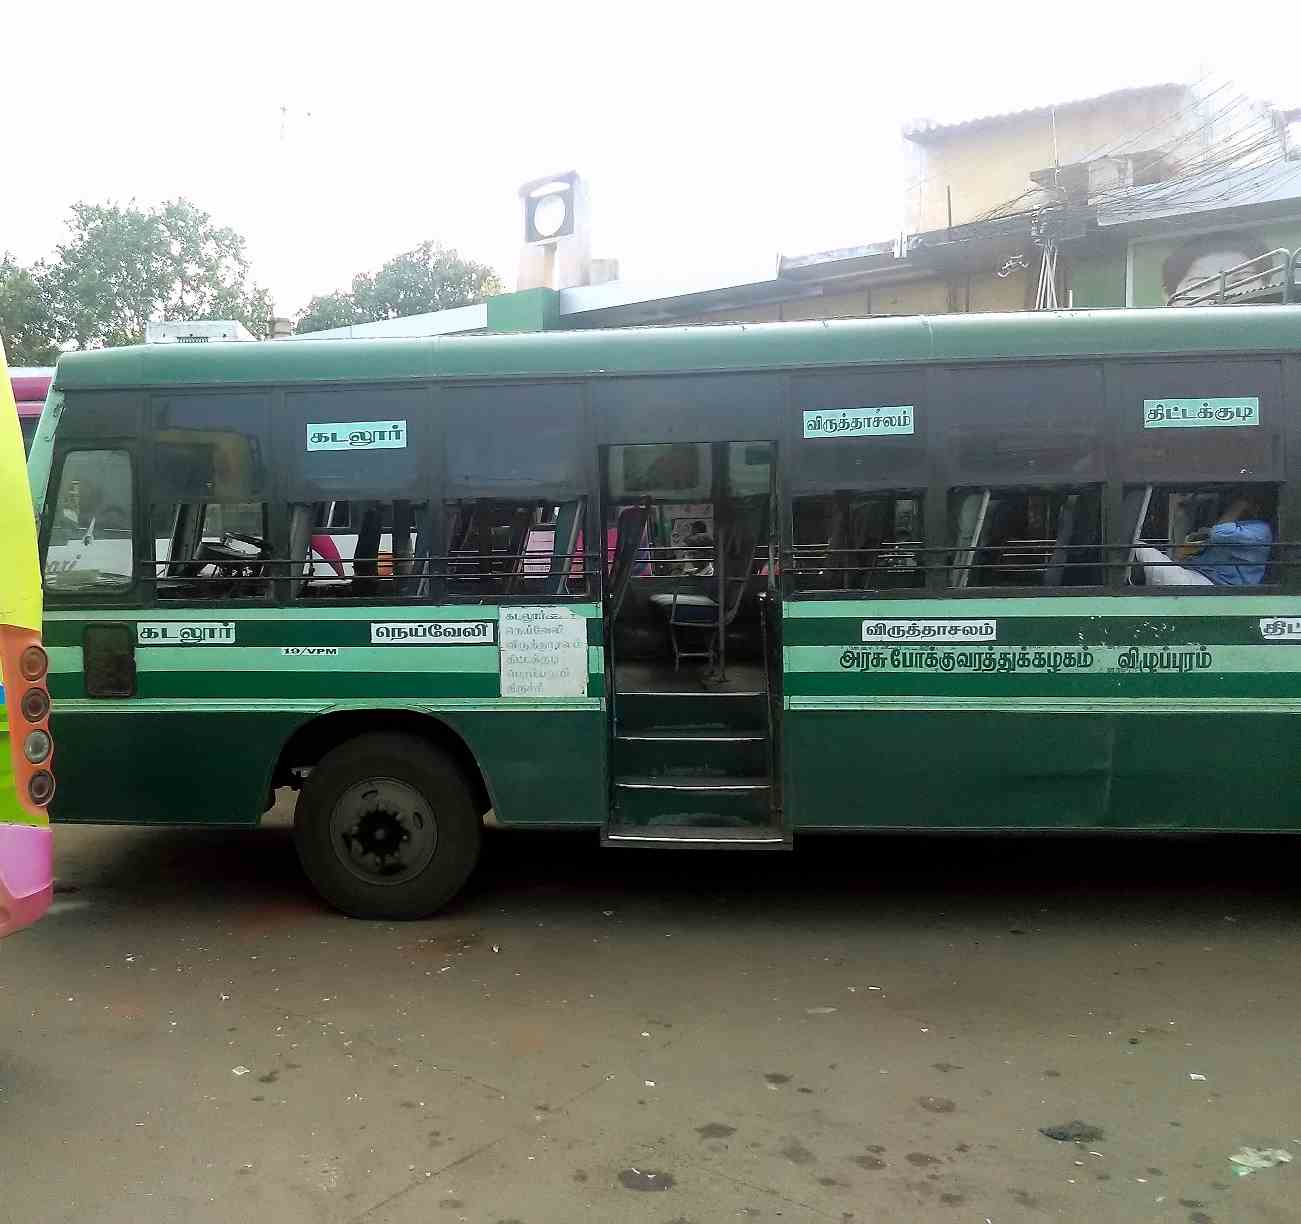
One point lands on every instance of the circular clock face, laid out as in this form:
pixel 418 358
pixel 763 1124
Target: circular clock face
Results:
pixel 549 215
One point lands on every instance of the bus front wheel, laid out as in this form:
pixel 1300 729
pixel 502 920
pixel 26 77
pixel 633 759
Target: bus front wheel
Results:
pixel 386 827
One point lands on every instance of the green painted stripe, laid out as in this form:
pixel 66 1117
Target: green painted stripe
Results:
pixel 1232 602
pixel 1226 660
pixel 433 660
pixel 69 659
pixel 64 659
pixel 144 705
pixel 1055 705
pixel 296 630
pixel 1037 631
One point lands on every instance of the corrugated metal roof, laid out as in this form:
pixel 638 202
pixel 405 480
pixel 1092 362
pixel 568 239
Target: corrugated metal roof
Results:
pixel 927 129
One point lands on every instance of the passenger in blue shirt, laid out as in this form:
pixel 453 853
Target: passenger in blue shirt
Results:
pixel 1234 552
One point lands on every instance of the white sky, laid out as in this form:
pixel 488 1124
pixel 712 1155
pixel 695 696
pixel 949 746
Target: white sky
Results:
pixel 713 136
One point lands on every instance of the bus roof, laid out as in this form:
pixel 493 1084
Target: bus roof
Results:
pixel 966 337
pixel 30 384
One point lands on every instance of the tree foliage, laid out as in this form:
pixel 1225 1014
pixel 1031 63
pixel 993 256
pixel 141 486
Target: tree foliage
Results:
pixel 26 323
pixel 123 266
pixel 429 277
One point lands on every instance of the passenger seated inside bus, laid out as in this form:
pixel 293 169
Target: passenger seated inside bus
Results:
pixel 1232 548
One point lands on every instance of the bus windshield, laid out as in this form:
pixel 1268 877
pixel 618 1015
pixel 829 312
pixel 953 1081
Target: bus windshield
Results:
pixel 26 749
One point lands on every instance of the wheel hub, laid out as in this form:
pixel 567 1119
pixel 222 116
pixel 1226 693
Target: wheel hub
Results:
pixel 383 831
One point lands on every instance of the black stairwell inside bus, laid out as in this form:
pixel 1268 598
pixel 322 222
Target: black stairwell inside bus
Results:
pixel 692 629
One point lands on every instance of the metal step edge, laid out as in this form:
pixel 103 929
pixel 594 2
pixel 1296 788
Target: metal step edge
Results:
pixel 686 736
pixel 688 693
pixel 669 837
pixel 701 786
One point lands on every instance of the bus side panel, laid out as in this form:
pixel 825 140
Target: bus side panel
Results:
pixel 544 767
pixel 199 739
pixel 128 764
pixel 1143 712
pixel 1216 771
pixel 188 766
pixel 942 769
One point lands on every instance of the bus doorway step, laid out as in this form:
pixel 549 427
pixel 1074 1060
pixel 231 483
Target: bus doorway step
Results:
pixel 669 837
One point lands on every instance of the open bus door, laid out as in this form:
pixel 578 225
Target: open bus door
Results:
pixel 692 636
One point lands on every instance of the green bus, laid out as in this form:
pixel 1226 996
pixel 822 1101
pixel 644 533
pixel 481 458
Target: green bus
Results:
pixel 712 586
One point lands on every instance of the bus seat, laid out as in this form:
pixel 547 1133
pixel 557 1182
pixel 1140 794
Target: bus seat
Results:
pixel 1055 570
pixel 631 528
pixel 1133 516
pixel 569 524
pixel 971 531
pixel 325 548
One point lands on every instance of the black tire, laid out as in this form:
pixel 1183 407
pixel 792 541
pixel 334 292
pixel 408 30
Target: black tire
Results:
pixel 405 782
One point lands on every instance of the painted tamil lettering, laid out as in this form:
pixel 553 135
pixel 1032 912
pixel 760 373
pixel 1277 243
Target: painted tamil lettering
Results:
pixel 185 633
pixel 1201 413
pixel 1280 628
pixel 859 422
pixel 930 630
pixel 431 633
pixel 357 435
pixel 1035 660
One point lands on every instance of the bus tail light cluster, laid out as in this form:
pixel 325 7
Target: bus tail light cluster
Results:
pixel 31 744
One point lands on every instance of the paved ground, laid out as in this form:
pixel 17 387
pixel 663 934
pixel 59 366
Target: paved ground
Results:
pixel 871 1030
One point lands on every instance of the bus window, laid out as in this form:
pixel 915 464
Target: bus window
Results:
pixel 210 448
pixel 497 547
pixel 211 550
pixel 89 529
pixel 859 541
pixel 1220 535
pixel 358 548
pixel 1024 424
pixel 1025 537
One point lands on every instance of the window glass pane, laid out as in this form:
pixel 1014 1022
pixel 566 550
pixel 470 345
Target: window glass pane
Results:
pixel 210 447
pixel 349 444
pixel 681 470
pixel 1170 420
pixel 1224 535
pixel 748 468
pixel 499 548
pixel 211 550
pixel 882 457
pixel 371 549
pixel 513 438
pixel 1025 537
pixel 89 544
pixel 1024 423
pixel 848 541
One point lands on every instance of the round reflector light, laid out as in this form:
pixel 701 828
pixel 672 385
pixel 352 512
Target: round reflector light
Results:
pixel 33 663
pixel 41 787
pixel 35 705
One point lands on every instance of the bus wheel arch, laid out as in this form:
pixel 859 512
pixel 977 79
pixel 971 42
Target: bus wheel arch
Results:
pixel 389 817
pixel 310 742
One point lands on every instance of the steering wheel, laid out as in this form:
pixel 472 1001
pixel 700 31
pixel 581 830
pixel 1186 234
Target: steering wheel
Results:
pixel 251 540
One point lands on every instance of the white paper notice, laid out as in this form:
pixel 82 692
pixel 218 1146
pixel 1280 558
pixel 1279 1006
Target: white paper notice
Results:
pixel 543 652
